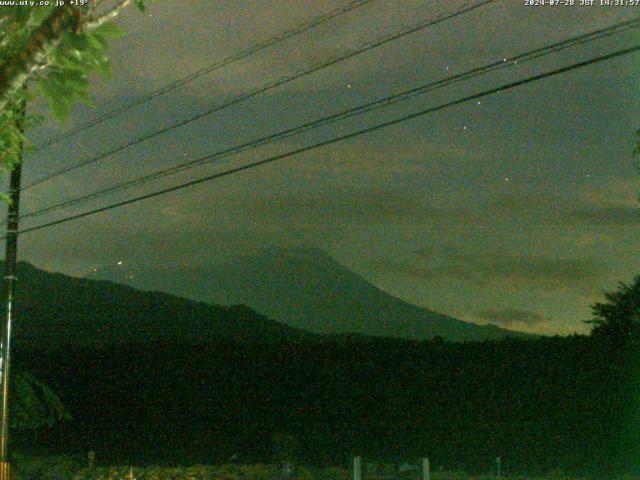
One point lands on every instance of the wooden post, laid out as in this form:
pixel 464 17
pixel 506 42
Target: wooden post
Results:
pixel 426 469
pixel 357 468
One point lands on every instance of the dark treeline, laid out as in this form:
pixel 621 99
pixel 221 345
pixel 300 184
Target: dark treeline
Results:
pixel 551 403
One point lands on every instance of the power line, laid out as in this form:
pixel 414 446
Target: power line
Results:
pixel 282 81
pixel 379 126
pixel 374 105
pixel 281 37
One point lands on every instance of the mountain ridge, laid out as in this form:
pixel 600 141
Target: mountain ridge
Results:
pixel 56 308
pixel 308 289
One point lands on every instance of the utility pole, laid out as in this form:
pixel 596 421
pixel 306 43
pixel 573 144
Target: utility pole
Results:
pixel 11 254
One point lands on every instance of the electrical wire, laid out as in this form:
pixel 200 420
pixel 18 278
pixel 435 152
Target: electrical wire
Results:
pixel 300 29
pixel 504 87
pixel 282 81
pixel 371 106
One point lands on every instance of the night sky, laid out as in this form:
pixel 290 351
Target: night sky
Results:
pixel 520 210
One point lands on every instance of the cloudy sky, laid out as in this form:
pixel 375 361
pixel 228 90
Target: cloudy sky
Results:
pixel 520 210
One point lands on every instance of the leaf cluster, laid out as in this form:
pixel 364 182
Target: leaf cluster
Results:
pixel 66 80
pixel 61 75
pixel 13 142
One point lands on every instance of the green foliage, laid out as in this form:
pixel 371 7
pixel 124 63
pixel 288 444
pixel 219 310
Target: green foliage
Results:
pixel 208 472
pixel 195 472
pixel 12 140
pixel 330 473
pixel 70 468
pixel 46 468
pixel 62 73
pixel 76 56
pixel 33 404
pixel 62 76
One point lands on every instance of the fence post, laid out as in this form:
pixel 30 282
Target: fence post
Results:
pixel 357 468
pixel 426 470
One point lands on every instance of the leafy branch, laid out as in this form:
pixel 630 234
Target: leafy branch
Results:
pixel 55 48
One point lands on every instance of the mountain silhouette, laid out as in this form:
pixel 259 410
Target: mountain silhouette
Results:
pixel 307 289
pixel 55 309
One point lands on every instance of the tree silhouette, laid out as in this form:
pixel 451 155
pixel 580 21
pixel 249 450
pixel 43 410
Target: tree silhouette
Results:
pixel 619 316
pixel 617 332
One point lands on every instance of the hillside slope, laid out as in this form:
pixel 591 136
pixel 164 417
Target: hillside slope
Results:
pixel 59 309
pixel 308 289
